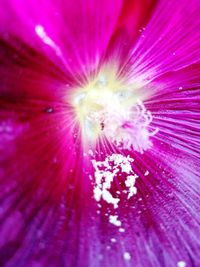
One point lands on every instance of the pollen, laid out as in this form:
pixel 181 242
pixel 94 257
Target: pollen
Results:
pixel 127 256
pixel 105 173
pixel 107 107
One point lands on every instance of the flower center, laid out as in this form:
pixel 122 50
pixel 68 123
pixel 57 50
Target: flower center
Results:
pixel 108 108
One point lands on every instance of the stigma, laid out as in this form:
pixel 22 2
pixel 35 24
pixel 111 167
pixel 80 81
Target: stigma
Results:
pixel 108 108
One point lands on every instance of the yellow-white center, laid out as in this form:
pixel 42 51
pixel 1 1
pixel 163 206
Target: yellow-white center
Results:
pixel 108 108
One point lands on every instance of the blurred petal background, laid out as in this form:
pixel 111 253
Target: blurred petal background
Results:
pixel 49 215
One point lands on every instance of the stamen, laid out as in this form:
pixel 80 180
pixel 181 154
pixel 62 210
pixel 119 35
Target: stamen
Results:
pixel 106 108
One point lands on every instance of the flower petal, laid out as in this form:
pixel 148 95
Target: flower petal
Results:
pixel 74 35
pixel 169 41
pixel 49 215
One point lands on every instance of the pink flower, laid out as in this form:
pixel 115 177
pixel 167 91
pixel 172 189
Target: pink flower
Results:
pixel 99 133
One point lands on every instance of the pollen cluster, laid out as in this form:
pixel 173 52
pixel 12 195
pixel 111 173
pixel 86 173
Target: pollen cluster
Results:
pixel 108 108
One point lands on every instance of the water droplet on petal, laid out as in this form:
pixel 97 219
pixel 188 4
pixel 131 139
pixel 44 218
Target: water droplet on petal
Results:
pixel 49 110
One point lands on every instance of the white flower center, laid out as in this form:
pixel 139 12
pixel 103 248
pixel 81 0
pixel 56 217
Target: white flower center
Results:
pixel 107 108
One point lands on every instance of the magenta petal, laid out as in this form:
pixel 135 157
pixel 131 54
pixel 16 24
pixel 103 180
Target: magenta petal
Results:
pixel 169 41
pixel 129 27
pixel 50 213
pixel 72 34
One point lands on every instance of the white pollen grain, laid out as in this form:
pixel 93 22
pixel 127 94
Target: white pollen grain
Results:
pixel 113 219
pixel 127 256
pixel 181 264
pixel 91 153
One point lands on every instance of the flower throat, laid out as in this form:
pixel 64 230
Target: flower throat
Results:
pixel 107 108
